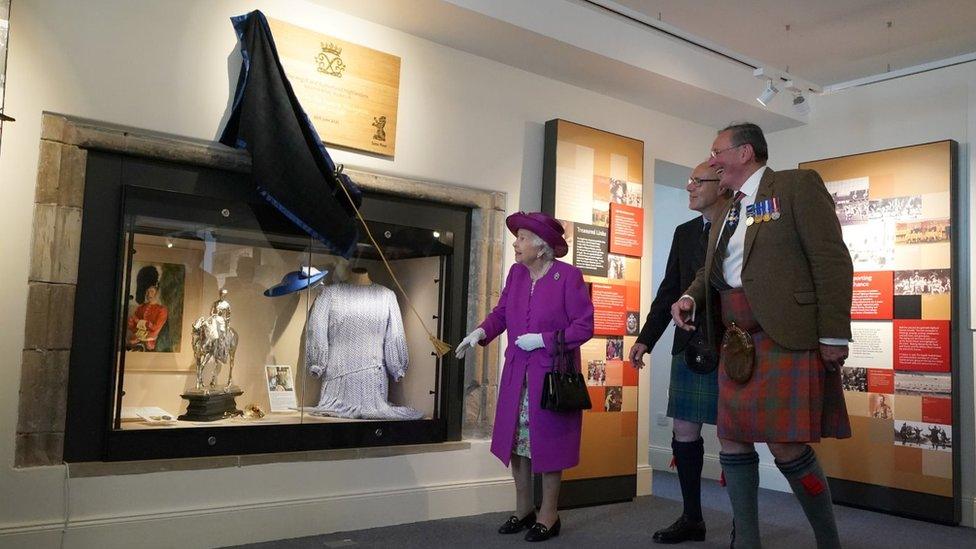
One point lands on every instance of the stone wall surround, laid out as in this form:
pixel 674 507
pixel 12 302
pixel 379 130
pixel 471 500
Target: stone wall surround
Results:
pixel 56 241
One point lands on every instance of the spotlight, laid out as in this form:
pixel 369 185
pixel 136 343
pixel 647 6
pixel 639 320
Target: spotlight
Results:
pixel 767 94
pixel 801 105
pixel 437 234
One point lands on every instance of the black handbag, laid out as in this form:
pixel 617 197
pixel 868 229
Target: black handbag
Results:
pixel 564 389
pixel 701 355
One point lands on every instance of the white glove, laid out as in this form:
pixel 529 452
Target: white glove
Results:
pixel 469 342
pixel 530 342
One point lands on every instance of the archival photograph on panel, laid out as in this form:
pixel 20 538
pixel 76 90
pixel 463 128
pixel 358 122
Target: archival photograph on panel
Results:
pixel 927 436
pixel 850 199
pixel 854 379
pixel 923 281
pixel 919 384
pixel 872 245
pixel 922 232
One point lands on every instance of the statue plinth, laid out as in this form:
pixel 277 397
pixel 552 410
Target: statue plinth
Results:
pixel 211 405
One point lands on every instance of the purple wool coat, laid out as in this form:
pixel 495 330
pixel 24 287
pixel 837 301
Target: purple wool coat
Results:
pixel 561 300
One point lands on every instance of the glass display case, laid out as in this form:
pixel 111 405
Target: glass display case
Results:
pixel 232 331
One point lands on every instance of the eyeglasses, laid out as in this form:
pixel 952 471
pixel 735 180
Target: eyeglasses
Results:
pixel 698 181
pixel 715 153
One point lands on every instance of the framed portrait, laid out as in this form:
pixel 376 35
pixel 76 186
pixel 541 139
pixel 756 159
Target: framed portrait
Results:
pixel 172 285
pixel 155 317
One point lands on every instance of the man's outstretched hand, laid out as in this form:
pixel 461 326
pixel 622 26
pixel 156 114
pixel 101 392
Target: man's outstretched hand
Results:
pixel 682 311
pixel 637 353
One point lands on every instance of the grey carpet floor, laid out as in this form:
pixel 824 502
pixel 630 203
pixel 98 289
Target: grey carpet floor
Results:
pixel 627 525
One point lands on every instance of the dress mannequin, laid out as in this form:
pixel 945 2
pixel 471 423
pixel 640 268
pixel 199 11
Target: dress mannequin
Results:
pixel 359 276
pixel 355 342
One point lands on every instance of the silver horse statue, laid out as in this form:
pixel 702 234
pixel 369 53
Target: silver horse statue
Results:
pixel 214 341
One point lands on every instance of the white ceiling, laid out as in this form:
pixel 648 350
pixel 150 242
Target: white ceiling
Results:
pixel 615 57
pixel 829 41
pixel 581 43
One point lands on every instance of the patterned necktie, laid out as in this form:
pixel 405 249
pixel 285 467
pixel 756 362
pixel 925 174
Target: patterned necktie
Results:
pixel 717 276
pixel 703 243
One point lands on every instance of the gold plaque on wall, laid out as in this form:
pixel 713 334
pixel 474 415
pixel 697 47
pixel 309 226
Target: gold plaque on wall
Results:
pixel 349 92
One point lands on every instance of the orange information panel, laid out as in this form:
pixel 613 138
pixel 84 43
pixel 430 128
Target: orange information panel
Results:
pixel 873 295
pixel 895 210
pixel 626 230
pixel 881 381
pixel 609 310
pixel 922 345
pixel 593 183
pixel 937 410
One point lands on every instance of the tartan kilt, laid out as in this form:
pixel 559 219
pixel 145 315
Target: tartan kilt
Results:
pixel 691 396
pixel 790 397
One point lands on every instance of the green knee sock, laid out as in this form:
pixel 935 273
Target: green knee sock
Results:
pixel 810 487
pixel 742 484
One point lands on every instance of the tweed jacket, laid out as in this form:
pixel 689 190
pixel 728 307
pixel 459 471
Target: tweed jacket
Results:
pixel 796 271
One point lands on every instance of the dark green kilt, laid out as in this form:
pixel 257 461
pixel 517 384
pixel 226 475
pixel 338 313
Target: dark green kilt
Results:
pixel 692 397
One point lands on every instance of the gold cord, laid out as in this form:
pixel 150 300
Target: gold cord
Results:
pixel 440 347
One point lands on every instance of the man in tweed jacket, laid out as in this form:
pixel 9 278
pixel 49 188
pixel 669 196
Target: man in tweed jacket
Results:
pixel 785 275
pixel 692 397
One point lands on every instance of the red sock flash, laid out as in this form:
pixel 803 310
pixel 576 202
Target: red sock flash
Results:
pixel 812 484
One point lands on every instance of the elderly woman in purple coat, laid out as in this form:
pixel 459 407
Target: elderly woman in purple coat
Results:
pixel 541 295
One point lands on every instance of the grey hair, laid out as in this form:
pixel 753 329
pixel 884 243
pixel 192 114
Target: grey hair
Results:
pixel 747 133
pixel 547 252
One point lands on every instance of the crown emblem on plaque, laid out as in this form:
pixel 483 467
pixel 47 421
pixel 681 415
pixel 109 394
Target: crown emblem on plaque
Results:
pixel 332 48
pixel 329 60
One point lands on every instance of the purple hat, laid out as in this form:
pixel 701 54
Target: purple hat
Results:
pixel 544 226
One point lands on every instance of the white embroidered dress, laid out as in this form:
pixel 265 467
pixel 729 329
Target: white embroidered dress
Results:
pixel 354 341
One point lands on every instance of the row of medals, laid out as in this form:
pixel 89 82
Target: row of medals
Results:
pixel 767 210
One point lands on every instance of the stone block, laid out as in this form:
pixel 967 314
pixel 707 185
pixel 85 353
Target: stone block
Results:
pixel 52 127
pixel 43 392
pixel 48 173
pixel 88 137
pixel 498 200
pixel 36 323
pixel 39 449
pixel 56 244
pixel 472 407
pixel 491 362
pixel 492 401
pixel 50 312
pixel 61 314
pixel 71 186
pixel 497 227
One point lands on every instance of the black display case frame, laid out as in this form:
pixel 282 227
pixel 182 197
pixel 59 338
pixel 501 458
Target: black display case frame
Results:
pixel 89 432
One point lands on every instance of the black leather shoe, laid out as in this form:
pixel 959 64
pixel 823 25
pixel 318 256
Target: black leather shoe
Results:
pixel 515 525
pixel 683 529
pixel 539 532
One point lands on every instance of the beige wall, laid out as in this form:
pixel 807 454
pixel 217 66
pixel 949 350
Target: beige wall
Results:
pixel 171 66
